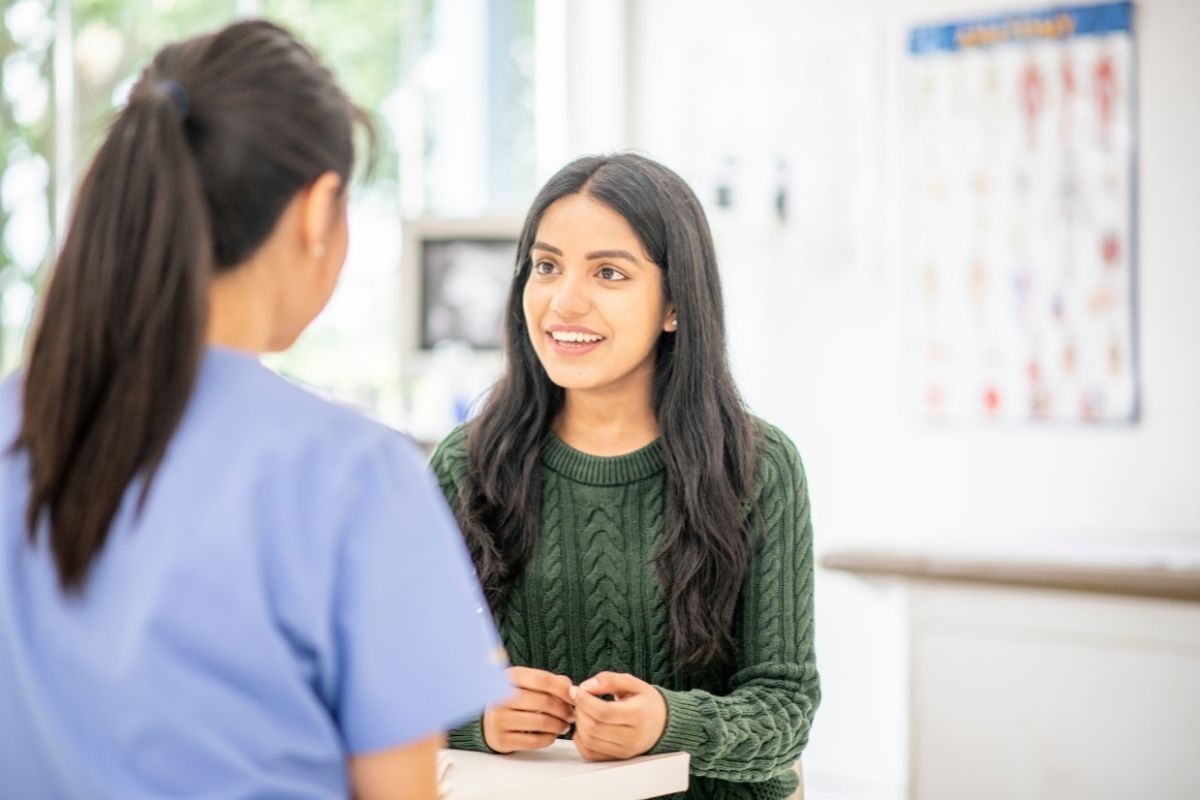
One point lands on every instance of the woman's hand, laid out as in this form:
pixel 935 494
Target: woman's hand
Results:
pixel 628 725
pixel 536 716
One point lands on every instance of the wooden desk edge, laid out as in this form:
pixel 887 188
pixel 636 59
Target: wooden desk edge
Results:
pixel 1154 582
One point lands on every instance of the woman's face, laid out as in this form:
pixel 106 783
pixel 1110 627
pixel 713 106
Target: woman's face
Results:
pixel 594 304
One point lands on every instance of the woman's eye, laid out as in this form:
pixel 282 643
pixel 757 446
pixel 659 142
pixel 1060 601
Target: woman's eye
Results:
pixel 610 274
pixel 544 268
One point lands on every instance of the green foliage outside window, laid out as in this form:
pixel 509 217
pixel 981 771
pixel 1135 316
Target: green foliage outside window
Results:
pixel 353 350
pixel 26 155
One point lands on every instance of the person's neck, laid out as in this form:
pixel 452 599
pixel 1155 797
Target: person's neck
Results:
pixel 611 421
pixel 239 312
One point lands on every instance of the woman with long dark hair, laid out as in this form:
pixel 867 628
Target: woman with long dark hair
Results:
pixel 644 542
pixel 213 583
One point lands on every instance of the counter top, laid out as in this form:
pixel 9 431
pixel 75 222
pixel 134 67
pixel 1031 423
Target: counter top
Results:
pixel 1153 567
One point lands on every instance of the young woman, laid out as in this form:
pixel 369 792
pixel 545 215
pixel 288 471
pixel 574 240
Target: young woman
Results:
pixel 212 583
pixel 644 542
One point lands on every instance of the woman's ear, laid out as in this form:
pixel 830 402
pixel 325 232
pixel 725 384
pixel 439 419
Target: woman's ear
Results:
pixel 319 209
pixel 670 319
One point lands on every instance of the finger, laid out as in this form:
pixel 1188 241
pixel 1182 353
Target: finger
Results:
pixel 597 733
pixel 611 719
pixel 539 680
pixel 530 722
pixel 584 751
pixel 602 749
pixel 527 700
pixel 590 754
pixel 614 683
pixel 611 712
pixel 513 742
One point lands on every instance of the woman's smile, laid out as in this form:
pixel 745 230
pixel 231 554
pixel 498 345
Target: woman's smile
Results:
pixel 573 340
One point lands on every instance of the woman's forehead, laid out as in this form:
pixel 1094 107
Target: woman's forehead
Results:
pixel 578 224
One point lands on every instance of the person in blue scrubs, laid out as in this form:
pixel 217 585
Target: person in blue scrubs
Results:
pixel 214 584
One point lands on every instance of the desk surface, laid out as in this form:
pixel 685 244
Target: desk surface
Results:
pixel 558 771
pixel 1156 567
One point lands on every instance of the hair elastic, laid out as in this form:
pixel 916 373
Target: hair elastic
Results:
pixel 178 95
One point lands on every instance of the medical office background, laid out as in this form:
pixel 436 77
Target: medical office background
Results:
pixel 800 125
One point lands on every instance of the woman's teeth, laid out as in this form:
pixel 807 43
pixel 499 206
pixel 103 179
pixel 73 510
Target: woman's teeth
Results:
pixel 571 336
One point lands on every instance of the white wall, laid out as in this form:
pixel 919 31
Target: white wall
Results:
pixel 818 345
pixel 831 370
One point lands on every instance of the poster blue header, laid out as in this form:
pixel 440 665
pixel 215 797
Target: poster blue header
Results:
pixel 1052 23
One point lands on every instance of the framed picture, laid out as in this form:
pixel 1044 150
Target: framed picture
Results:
pixel 1021 195
pixel 456 280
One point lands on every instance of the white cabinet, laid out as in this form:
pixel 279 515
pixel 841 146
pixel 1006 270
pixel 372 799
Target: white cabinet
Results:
pixel 1034 693
pixel 1044 670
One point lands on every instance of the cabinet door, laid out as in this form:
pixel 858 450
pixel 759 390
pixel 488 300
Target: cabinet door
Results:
pixel 1029 694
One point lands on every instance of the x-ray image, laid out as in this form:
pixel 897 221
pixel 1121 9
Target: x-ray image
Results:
pixel 464 287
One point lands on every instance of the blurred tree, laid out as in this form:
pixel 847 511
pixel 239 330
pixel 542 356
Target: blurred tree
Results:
pixel 26 152
pixel 363 42
pixel 113 40
pixel 379 50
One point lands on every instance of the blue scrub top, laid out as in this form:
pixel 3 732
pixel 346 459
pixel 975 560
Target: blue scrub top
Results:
pixel 294 591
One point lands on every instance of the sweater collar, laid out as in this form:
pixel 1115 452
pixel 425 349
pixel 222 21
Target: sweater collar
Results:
pixel 602 470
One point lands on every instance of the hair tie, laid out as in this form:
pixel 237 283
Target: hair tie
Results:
pixel 178 96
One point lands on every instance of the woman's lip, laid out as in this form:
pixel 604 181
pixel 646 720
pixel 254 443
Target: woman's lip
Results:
pixel 571 329
pixel 572 349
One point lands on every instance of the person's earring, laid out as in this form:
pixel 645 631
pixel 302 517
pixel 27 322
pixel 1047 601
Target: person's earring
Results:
pixel 675 323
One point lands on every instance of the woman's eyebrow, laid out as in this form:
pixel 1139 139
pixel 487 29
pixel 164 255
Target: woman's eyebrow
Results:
pixel 613 254
pixel 548 248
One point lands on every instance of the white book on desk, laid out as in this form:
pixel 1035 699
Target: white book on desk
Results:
pixel 557 772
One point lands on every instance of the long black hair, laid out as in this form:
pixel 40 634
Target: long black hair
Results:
pixel 219 134
pixel 709 443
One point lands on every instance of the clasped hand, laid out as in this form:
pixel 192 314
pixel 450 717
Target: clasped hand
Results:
pixel 546 705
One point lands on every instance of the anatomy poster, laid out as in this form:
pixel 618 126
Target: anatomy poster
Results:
pixel 1019 189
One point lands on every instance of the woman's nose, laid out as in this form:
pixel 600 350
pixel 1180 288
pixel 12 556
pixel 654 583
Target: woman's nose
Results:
pixel 570 300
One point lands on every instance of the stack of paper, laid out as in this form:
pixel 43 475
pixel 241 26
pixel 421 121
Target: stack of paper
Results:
pixel 557 772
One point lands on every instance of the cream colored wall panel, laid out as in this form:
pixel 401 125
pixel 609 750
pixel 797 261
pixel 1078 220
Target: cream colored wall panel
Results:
pixel 1031 694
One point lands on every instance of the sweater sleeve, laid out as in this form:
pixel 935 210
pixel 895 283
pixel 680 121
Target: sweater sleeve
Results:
pixel 469 736
pixel 449 465
pixel 761 726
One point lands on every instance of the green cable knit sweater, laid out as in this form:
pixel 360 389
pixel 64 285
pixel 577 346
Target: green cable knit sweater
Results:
pixel 590 601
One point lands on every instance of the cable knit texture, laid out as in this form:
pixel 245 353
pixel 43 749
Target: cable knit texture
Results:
pixel 590 601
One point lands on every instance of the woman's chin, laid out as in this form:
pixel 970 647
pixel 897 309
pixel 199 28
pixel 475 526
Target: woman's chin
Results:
pixel 573 379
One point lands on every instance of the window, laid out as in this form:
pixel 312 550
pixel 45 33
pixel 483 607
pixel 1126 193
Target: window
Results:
pixel 448 81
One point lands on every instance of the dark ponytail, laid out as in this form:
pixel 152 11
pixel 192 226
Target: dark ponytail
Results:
pixel 218 135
